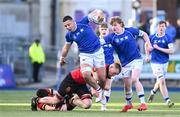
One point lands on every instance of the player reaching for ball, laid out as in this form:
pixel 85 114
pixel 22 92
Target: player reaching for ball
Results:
pixel 90 51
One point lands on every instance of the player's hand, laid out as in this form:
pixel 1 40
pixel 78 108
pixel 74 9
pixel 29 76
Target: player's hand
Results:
pixel 155 46
pixel 63 107
pixel 94 92
pixel 147 59
pixel 62 61
pixel 149 47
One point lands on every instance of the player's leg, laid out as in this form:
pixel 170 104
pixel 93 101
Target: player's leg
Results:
pixel 153 91
pixel 84 102
pixel 64 89
pixel 83 99
pixel 155 69
pixel 125 74
pixel 107 93
pixel 159 71
pixel 128 94
pixel 99 63
pixel 135 75
pixel 86 64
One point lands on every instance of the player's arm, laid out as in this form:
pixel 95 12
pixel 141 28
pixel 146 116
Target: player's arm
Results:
pixel 147 40
pixel 64 53
pixel 169 50
pixel 96 16
pixel 147 52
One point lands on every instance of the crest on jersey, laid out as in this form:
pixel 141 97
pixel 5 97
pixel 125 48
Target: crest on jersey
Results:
pixel 117 40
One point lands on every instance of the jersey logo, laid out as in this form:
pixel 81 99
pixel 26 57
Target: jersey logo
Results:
pixel 126 37
pixel 81 30
pixel 117 40
pixel 159 41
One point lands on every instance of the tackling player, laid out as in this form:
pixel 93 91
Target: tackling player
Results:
pixel 75 83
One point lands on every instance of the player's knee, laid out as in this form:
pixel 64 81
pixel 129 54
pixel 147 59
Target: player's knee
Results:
pixel 87 100
pixel 87 103
pixel 162 82
pixel 107 87
pixel 86 75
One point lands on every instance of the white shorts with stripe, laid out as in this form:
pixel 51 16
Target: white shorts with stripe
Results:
pixel 127 69
pixel 96 59
pixel 159 70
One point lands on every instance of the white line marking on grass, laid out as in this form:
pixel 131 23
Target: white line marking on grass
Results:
pixel 15 104
pixel 94 104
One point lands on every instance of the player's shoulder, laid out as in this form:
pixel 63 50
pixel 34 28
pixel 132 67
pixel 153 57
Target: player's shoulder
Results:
pixel 130 28
pixel 167 36
pixel 152 36
pixel 68 35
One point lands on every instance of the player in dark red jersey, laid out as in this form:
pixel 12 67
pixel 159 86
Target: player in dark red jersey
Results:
pixel 74 83
pixel 68 104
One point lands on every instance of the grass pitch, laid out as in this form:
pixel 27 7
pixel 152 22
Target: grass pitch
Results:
pixel 15 103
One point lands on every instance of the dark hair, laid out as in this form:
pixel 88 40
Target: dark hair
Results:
pixel 67 18
pixel 118 66
pixel 162 22
pixel 103 25
pixel 42 93
pixel 117 19
pixel 37 40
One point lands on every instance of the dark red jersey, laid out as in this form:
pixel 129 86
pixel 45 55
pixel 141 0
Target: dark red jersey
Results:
pixel 77 76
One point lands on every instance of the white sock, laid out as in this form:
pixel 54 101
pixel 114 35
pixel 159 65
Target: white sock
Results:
pixel 141 97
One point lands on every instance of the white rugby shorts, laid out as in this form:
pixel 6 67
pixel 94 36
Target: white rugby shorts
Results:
pixel 159 70
pixel 96 60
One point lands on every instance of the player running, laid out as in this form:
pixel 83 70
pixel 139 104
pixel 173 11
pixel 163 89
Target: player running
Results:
pixel 124 42
pixel 90 51
pixel 162 47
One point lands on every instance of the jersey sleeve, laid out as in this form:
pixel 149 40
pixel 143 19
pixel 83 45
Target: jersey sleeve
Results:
pixel 135 32
pixel 84 20
pixel 69 40
pixel 109 38
pixel 150 37
pixel 170 42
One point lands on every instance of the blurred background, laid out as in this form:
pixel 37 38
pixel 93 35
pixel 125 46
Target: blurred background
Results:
pixel 22 21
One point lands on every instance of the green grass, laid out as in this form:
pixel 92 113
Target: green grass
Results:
pixel 17 104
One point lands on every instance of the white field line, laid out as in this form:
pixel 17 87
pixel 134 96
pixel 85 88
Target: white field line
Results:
pixel 94 104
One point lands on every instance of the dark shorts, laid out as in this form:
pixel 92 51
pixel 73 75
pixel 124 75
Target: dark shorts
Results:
pixel 69 86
